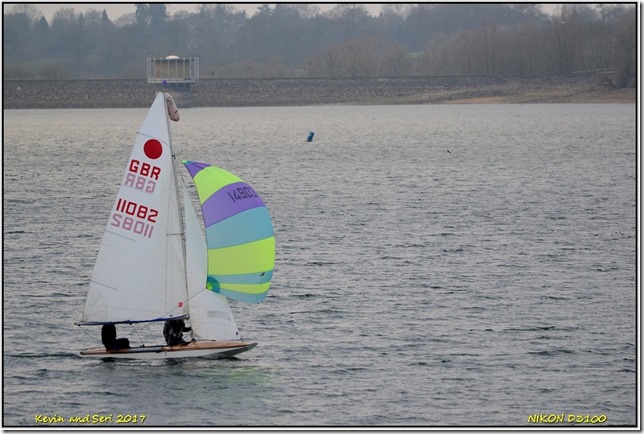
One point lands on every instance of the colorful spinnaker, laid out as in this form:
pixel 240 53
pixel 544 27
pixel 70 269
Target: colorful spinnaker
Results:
pixel 239 234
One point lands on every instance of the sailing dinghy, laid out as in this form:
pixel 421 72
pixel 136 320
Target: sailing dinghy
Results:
pixel 154 264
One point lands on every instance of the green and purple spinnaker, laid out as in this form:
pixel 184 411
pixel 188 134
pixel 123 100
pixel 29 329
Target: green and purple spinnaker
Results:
pixel 239 234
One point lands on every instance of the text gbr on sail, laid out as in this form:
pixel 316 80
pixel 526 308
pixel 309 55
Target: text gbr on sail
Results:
pixel 142 176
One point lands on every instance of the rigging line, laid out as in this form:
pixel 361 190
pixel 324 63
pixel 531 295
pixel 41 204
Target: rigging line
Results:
pixel 137 335
pixel 190 298
pixel 156 138
pixel 150 334
pixel 85 332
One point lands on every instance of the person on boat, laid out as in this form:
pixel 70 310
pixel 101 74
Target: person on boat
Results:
pixel 108 336
pixel 173 332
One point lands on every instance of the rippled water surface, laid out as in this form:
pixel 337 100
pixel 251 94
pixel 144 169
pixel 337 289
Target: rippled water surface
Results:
pixel 452 265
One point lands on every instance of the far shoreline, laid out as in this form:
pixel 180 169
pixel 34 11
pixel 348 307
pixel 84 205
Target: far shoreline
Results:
pixel 124 93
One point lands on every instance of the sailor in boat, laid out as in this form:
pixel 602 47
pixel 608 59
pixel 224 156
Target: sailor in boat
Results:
pixel 108 336
pixel 173 332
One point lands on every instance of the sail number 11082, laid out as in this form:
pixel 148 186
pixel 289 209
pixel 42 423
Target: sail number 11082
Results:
pixel 131 216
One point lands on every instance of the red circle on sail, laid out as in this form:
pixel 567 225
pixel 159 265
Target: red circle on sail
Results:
pixel 153 149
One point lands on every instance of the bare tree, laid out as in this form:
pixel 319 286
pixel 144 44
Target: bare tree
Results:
pixel 28 10
pixel 295 39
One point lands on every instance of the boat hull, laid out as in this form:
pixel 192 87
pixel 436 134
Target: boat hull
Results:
pixel 214 349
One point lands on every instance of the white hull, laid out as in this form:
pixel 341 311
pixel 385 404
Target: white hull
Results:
pixel 216 349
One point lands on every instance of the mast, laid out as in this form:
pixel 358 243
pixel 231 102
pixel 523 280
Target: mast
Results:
pixel 177 196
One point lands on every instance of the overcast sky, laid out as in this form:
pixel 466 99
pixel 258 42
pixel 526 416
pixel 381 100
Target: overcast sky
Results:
pixel 116 10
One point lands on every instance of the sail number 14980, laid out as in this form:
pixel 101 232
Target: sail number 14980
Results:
pixel 240 193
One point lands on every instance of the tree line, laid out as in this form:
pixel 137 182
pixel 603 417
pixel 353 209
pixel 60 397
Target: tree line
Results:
pixel 297 40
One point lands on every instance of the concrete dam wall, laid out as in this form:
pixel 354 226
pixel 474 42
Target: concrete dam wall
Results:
pixel 23 94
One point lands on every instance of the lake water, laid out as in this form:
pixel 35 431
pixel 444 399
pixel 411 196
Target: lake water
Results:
pixel 437 265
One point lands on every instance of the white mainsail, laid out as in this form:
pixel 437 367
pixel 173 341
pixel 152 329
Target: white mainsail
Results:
pixel 140 272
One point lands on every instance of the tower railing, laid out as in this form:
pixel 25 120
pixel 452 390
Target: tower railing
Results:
pixel 173 70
